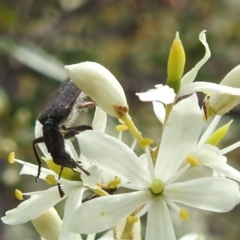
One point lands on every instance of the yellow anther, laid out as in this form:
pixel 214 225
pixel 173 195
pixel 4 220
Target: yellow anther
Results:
pixel 50 179
pixel 18 194
pixel 11 157
pixel 99 191
pixel 114 183
pixel 146 142
pixel 121 128
pixel 192 160
pixel 184 214
pixel 132 219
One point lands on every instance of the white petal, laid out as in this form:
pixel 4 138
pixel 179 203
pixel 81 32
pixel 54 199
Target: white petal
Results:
pixel 214 194
pixel 191 75
pixel 210 88
pixel 159 111
pixel 106 212
pixel 163 94
pixel 72 203
pixel 99 84
pixel 48 224
pixel 159 223
pixel 209 155
pixel 33 207
pixel 195 172
pixel 193 236
pixel 179 137
pixel 99 120
pixel 232 78
pixel 39 133
pixel 113 156
pixel 228 171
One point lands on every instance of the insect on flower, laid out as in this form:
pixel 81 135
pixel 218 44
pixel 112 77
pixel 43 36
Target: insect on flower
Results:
pixel 57 119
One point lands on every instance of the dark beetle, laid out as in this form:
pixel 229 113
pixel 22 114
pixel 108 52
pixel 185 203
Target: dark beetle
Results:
pixel 59 115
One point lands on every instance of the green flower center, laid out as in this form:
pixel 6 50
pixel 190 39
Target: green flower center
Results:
pixel 157 187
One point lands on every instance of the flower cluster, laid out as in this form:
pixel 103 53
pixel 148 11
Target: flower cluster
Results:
pixel 185 168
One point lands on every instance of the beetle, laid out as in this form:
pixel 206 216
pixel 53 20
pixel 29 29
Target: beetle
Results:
pixel 57 117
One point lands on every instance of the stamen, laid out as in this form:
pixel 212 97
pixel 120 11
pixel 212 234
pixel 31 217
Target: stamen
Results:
pixel 18 194
pixel 132 128
pixel 99 191
pixel 128 230
pixel 121 128
pixel 50 179
pixel 146 142
pixel 192 160
pixel 157 187
pixel 184 214
pixel 11 157
pixel 114 183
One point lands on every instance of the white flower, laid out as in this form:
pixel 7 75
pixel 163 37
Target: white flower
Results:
pixel 155 188
pixel 100 85
pixel 189 87
pixel 202 153
pixel 42 201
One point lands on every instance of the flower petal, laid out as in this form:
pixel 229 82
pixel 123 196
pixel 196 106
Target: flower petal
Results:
pixel 193 236
pixel 179 137
pixel 191 75
pixel 212 193
pixel 99 84
pixel 163 94
pixel 106 212
pixel 209 155
pixel 159 111
pixel 159 223
pixel 37 205
pixel 99 120
pixel 113 156
pixel 72 203
pixel 48 224
pixel 210 88
pixel 228 171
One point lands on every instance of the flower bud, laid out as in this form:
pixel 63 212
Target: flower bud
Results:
pixel 100 85
pixel 48 224
pixel 223 103
pixel 176 63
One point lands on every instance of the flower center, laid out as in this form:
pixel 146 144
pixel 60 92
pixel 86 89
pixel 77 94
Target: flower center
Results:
pixel 157 187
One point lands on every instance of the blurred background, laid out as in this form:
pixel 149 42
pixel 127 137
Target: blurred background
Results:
pixel 132 39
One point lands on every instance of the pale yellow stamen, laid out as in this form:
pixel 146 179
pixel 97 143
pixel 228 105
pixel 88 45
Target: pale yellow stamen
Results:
pixel 99 191
pixel 18 194
pixel 157 187
pixel 50 179
pixel 128 230
pixel 192 160
pixel 121 128
pixel 184 214
pixel 114 183
pixel 146 142
pixel 11 157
